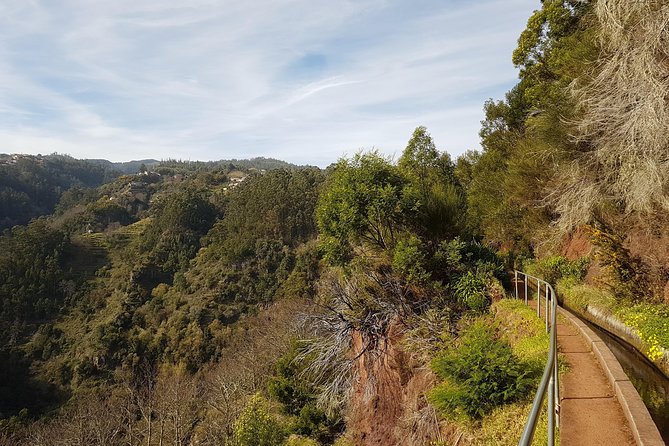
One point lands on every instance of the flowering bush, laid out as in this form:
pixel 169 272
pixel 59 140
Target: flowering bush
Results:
pixel 651 322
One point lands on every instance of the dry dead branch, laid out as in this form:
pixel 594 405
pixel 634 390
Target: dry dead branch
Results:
pixel 625 119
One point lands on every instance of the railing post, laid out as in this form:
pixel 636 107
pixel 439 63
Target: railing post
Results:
pixel 551 412
pixel 515 281
pixel 538 299
pixel 556 391
pixel 525 281
pixel 548 307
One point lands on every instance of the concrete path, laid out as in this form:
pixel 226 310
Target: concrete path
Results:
pixel 590 413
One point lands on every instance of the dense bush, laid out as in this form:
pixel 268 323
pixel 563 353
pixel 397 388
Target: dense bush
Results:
pixel 409 259
pixel 552 269
pixel 291 387
pixel 480 373
pixel 363 203
pixel 256 426
pixel 470 291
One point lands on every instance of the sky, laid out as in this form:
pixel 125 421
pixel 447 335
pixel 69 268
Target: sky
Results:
pixel 306 81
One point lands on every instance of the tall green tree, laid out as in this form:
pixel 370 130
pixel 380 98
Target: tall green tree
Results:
pixel 363 203
pixel 526 138
pixel 433 185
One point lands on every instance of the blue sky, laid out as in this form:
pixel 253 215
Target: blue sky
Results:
pixel 306 81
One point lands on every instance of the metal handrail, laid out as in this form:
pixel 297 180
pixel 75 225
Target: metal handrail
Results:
pixel 549 381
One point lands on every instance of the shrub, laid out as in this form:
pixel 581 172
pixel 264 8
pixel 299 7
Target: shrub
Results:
pixel 579 296
pixel 626 273
pixel 296 440
pixel 255 426
pixel 552 269
pixel 480 373
pixel 290 387
pixel 448 256
pixel 409 260
pixel 456 256
pixel 651 322
pixel 470 291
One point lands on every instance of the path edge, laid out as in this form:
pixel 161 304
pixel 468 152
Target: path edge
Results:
pixel 643 427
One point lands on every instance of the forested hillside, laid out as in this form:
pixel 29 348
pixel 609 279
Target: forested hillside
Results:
pixel 254 302
pixel 30 186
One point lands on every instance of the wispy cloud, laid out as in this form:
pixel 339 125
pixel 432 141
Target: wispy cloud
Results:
pixel 302 80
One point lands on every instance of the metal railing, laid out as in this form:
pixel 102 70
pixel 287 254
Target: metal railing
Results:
pixel 549 381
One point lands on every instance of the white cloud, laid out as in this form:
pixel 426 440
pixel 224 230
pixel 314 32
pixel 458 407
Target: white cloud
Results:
pixel 209 79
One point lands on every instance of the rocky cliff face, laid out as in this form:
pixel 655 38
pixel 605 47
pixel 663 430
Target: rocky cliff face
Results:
pixel 646 241
pixel 388 405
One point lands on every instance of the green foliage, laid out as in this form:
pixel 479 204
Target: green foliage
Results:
pixel 105 212
pixel 626 274
pixel 75 196
pixel 287 387
pixel 455 257
pixel 181 167
pixel 256 426
pixel 301 280
pixel 409 259
pixel 649 320
pixel 296 440
pixel 527 148
pixel 363 202
pixel 178 222
pixel 31 275
pixel 30 186
pixel 371 202
pixel 82 313
pixel 555 19
pixel 278 205
pixel 579 296
pixel 520 326
pixel 480 373
pixel 553 268
pixel 470 291
pixel 504 426
pixel 433 186
pixel 291 387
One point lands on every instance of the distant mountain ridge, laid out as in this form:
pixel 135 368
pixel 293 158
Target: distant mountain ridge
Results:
pixel 260 163
pixel 32 185
pixel 124 166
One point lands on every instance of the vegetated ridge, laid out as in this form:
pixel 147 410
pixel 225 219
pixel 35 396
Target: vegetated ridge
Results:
pixel 235 303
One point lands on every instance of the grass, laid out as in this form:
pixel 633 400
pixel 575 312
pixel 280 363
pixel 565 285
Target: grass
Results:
pixel 520 326
pixel 505 425
pixel 578 296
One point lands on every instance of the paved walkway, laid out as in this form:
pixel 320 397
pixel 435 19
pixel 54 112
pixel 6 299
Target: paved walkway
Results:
pixel 590 413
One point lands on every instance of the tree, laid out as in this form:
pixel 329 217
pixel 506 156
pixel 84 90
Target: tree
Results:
pixel 624 127
pixel 256 426
pixel 178 223
pixel 277 205
pixel 363 202
pixel 526 137
pixel 432 184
